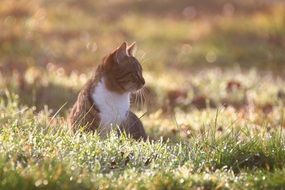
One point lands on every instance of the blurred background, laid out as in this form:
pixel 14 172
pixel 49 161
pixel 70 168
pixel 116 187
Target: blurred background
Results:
pixel 194 53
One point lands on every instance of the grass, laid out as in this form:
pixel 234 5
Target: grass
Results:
pixel 214 99
pixel 37 153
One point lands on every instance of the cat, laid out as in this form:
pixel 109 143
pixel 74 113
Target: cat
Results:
pixel 104 101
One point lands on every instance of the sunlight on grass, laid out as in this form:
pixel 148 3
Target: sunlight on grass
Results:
pixel 28 156
pixel 213 102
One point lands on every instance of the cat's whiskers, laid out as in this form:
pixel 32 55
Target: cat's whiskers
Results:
pixel 144 96
pixel 141 97
pixel 135 98
pixel 138 99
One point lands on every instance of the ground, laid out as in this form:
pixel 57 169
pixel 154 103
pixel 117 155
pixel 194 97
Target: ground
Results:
pixel 214 96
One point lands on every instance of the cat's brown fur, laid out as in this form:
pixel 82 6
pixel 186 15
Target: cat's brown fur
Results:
pixel 84 112
pixel 119 78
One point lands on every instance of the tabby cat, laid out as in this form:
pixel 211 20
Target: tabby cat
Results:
pixel 104 101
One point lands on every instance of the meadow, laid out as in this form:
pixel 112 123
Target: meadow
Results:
pixel 213 101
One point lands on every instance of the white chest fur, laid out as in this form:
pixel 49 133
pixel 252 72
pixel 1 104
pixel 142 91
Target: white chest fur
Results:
pixel 113 106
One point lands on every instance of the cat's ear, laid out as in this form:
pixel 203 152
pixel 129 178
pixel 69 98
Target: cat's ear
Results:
pixel 121 52
pixel 132 49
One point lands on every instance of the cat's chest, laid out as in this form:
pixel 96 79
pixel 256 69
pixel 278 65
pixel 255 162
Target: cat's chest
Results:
pixel 113 107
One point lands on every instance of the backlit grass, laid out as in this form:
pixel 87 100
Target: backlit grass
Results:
pixel 213 103
pixel 37 152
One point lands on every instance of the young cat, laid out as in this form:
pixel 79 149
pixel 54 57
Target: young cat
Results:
pixel 104 101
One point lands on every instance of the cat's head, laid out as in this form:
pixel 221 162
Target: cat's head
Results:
pixel 122 71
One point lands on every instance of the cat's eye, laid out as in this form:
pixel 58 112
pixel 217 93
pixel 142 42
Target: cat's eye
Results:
pixel 125 75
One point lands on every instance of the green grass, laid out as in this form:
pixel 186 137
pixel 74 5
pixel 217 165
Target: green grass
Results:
pixel 214 102
pixel 40 153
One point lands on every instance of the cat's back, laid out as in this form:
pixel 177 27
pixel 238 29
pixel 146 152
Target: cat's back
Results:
pixel 84 112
